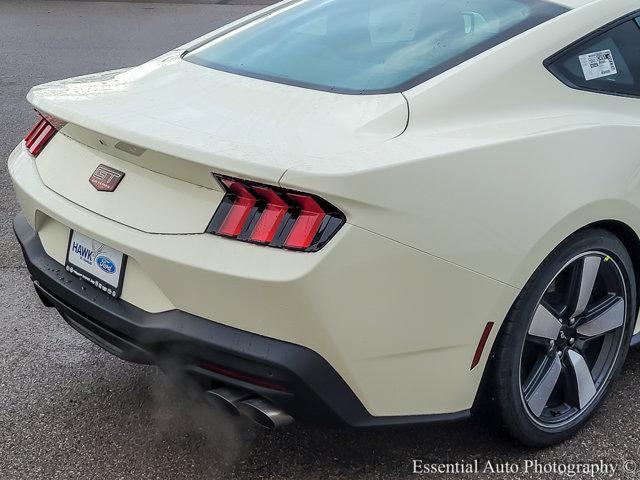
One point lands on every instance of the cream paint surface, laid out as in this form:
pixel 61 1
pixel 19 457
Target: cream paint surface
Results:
pixel 391 309
pixel 66 166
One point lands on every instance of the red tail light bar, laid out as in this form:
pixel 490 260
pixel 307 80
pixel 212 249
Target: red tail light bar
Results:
pixel 40 134
pixel 273 216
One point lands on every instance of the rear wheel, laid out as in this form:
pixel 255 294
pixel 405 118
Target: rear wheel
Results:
pixel 565 339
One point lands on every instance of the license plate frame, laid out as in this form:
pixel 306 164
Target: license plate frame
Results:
pixel 91 261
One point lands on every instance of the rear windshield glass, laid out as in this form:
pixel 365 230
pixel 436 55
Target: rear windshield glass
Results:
pixel 369 46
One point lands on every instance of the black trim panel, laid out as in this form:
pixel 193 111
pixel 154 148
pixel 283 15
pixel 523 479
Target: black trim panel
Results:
pixel 314 391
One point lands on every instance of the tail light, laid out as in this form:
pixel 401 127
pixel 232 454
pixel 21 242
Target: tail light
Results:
pixel 273 216
pixel 41 133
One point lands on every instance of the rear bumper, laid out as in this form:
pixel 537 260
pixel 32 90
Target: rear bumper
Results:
pixel 387 318
pixel 293 377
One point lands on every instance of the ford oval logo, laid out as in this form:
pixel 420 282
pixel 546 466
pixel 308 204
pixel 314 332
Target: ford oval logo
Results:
pixel 106 264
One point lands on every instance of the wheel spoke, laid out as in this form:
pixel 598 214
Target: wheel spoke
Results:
pixel 586 281
pixel 545 324
pixel 543 384
pixel 610 318
pixel 583 379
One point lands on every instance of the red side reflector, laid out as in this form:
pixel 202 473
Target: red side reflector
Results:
pixel 271 217
pixel 481 344
pixel 240 210
pixel 39 136
pixel 307 224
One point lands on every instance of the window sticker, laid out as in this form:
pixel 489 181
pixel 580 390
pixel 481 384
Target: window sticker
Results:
pixel 598 64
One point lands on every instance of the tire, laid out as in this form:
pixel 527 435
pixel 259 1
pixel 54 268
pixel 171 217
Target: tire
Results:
pixel 594 334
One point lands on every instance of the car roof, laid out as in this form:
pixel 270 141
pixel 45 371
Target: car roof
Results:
pixel 574 3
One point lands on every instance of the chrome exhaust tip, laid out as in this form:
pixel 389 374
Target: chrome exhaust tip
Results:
pixel 227 398
pixel 264 413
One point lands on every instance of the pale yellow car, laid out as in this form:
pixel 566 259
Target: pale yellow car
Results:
pixel 364 212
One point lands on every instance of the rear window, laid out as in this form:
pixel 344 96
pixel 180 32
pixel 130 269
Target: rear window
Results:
pixel 369 46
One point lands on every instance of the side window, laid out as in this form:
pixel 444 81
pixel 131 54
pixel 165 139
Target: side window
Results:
pixel 606 63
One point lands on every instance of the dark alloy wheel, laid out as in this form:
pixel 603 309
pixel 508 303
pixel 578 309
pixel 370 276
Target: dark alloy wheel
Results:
pixel 565 338
pixel 574 339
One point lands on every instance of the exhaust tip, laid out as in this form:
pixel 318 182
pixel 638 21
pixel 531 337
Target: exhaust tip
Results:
pixel 264 413
pixel 226 398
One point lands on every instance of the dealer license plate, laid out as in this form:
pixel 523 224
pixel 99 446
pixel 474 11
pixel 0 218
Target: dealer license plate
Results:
pixel 96 263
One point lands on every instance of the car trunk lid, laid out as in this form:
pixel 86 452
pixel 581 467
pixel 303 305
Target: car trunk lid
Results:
pixel 174 119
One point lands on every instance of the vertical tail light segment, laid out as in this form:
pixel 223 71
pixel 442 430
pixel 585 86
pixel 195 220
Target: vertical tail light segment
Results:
pixel 276 217
pixel 41 133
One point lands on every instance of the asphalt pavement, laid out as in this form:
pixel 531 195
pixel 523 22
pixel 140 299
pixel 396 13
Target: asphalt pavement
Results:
pixel 70 410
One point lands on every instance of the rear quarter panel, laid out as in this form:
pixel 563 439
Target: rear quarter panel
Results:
pixel 500 162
